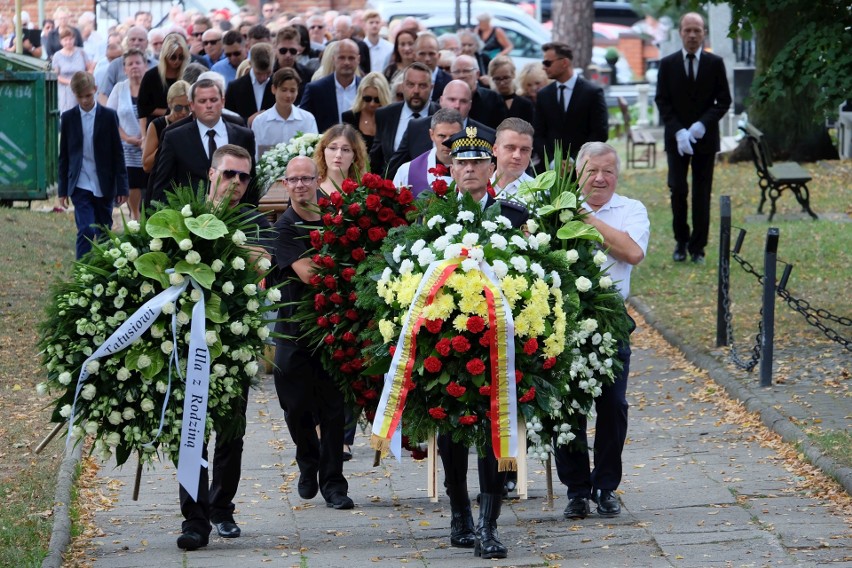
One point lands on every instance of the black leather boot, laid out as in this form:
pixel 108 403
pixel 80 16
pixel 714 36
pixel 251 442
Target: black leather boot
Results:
pixel 461 526
pixel 487 543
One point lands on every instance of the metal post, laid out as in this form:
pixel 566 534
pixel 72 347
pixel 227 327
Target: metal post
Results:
pixel 723 287
pixel 769 265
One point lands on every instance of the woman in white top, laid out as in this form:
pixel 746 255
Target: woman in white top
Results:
pixel 123 99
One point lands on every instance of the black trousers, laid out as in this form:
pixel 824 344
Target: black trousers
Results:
pixel 702 184
pixel 572 460
pixel 215 500
pixel 309 396
pixel 454 458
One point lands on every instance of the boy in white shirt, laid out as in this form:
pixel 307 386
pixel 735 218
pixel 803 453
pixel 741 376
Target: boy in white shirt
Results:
pixel 281 122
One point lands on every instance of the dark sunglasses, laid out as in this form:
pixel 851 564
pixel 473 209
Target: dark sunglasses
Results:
pixel 197 34
pixel 231 174
pixel 547 63
pixel 211 42
pixel 369 99
pixel 176 57
pixel 233 54
pixel 180 108
pixel 286 50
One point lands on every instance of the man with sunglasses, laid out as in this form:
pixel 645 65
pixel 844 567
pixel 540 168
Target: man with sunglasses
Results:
pixel 200 25
pixel 251 94
pixel 211 42
pixel 234 53
pixel 186 151
pixel 229 176
pixel 570 110
pixel 288 48
pixel 306 393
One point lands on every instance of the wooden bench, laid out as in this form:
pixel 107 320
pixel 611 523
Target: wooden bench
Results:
pixel 775 178
pixel 637 137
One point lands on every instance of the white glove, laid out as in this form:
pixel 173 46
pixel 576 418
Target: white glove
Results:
pixel 683 141
pixel 697 130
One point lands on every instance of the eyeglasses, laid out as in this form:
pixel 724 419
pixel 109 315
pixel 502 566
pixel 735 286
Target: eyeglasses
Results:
pixel 286 50
pixel 181 108
pixel 501 79
pixel 231 174
pixel 369 99
pixel 549 62
pixel 296 180
pixel 211 42
pixel 233 54
pixel 176 57
pixel 341 149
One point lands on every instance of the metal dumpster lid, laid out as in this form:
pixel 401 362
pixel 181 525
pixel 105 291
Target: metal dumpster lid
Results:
pixel 12 63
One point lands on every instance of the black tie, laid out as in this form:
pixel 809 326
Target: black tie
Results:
pixel 415 115
pixel 562 97
pixel 211 142
pixel 691 58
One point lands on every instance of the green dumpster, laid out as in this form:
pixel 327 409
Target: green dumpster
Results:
pixel 29 129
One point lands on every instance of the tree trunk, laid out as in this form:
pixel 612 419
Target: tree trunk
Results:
pixel 793 128
pixel 572 24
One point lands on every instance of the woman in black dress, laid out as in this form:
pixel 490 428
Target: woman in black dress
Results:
pixel 174 57
pixel 502 73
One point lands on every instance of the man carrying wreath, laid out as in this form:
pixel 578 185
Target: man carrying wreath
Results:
pixel 471 152
pixel 229 178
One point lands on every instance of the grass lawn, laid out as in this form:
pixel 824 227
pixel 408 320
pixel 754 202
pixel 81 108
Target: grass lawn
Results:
pixel 36 248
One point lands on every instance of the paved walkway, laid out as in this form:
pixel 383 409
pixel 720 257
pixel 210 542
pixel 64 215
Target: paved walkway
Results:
pixel 699 489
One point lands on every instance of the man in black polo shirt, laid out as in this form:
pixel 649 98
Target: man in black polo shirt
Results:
pixel 306 392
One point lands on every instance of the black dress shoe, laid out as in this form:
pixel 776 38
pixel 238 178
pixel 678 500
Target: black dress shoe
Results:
pixel 227 529
pixel 347 452
pixel 308 485
pixel 697 258
pixel 608 505
pixel 578 508
pixel 191 540
pixel 679 254
pixel 339 501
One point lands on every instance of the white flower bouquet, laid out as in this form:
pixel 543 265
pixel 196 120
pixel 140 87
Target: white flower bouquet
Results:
pixel 116 341
pixel 273 164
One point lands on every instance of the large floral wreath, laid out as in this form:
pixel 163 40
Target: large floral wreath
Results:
pixel 442 293
pixel 355 222
pixel 272 165
pixel 117 336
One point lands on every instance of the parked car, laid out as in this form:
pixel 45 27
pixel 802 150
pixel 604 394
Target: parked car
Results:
pixel 607 12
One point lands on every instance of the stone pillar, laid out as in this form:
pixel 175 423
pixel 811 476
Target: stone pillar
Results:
pixel 642 89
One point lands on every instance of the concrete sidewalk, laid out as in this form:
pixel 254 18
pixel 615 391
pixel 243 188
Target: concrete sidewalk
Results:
pixel 698 490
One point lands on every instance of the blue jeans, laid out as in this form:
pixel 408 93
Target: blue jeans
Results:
pixel 91 214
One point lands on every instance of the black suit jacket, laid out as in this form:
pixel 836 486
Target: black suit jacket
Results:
pixel 681 103
pixel 387 120
pixel 586 119
pixel 521 107
pixel 109 155
pixel 320 99
pixel 182 158
pixel 516 213
pixel 441 80
pixel 416 141
pixel 239 97
pixel 487 107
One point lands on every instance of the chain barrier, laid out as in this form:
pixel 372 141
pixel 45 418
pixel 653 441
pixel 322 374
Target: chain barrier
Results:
pixel 736 358
pixel 813 316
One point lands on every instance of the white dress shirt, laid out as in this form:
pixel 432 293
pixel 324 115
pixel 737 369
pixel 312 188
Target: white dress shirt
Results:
pixel 345 97
pixel 694 63
pixel 630 216
pixel 270 128
pixel 89 173
pixel 258 89
pixel 221 137
pixel 569 84
pixel 379 54
pixel 511 189
pixel 402 125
